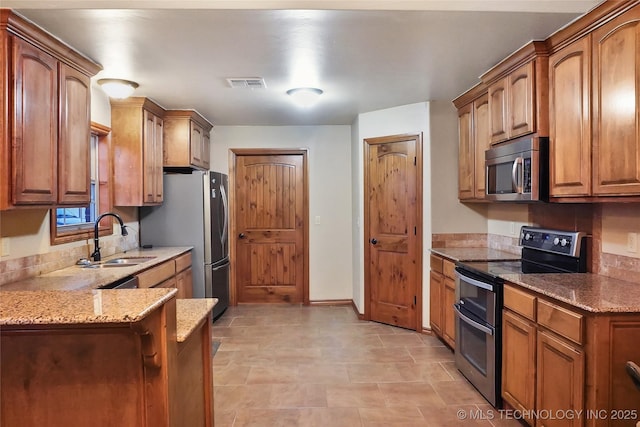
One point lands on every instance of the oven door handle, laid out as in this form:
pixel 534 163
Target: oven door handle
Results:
pixel 471 322
pixel 474 282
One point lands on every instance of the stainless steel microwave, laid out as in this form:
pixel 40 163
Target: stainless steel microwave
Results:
pixel 518 170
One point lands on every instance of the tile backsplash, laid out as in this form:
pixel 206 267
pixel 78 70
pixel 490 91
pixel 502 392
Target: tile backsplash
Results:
pixel 22 268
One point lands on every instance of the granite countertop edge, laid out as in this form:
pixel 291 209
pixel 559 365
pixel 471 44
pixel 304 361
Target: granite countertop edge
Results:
pixel 90 307
pixel 475 254
pixel 590 292
pixel 190 313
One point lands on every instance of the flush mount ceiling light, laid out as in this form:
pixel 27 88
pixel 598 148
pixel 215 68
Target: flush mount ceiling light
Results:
pixel 305 96
pixel 118 88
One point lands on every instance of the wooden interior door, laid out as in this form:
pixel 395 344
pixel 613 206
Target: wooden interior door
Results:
pixel 270 211
pixel 393 262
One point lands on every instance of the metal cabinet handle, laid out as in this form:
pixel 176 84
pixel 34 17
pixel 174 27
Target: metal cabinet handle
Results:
pixel 241 236
pixel 374 241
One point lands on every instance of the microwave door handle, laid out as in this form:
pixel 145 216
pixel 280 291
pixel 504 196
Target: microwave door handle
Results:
pixel 517 183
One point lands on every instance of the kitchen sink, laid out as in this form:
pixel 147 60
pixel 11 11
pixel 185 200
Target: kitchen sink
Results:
pixel 128 260
pixel 120 262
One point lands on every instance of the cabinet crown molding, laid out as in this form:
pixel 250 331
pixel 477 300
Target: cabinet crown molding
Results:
pixel 190 114
pixel 527 53
pixel 19 26
pixel 141 102
pixel 470 95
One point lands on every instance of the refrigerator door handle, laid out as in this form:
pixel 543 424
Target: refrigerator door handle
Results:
pixel 225 207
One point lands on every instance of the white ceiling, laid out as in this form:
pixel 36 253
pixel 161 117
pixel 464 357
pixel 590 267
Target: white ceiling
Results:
pixel 363 58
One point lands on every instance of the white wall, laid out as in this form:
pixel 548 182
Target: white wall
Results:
pixel 407 119
pixel 448 214
pixel 330 269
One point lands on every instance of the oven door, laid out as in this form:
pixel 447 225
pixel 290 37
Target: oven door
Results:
pixel 478 333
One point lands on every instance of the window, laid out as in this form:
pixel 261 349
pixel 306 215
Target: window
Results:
pixel 69 224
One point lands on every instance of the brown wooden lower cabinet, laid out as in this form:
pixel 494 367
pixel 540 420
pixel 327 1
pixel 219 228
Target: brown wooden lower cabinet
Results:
pixel 175 273
pixel 194 382
pixel 441 299
pixel 519 362
pixel 113 374
pixel 565 367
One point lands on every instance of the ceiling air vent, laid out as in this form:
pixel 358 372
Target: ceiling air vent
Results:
pixel 247 83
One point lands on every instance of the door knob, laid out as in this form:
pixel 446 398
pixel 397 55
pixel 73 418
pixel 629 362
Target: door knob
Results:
pixel 241 235
pixel 374 241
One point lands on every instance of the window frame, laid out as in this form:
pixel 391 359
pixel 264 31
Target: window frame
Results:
pixel 104 188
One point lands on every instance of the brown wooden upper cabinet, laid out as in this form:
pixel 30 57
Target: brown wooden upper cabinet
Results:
pixel 616 106
pixel 517 90
pixel 594 103
pixel 473 125
pixel 137 132
pixel 45 143
pixel 186 139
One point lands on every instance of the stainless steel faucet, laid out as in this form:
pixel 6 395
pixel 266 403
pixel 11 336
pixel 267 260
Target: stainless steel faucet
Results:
pixel 96 242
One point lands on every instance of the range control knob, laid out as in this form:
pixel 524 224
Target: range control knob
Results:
pixel 556 241
pixel 563 242
pixel 527 236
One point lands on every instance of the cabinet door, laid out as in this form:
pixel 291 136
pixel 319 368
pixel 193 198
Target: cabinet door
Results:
pixel 521 101
pixel 74 151
pixel 570 124
pixel 560 379
pixel 158 145
pixel 482 141
pixel 616 106
pixel 35 128
pixel 206 149
pixel 152 158
pixel 195 147
pixel 184 283
pixel 448 317
pixel 466 153
pixel 498 114
pixel 436 285
pixel 518 362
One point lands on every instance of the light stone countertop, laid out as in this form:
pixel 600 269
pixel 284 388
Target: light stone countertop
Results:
pixel 190 313
pixel 80 307
pixel 475 254
pixel 76 278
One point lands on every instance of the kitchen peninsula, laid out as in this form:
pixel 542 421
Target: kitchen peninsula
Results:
pixel 104 357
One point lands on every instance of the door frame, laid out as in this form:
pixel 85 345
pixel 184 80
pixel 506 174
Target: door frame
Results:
pixel 234 153
pixel 368 142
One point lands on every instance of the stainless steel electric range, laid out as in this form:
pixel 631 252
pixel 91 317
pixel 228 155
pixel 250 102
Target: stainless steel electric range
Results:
pixel 479 300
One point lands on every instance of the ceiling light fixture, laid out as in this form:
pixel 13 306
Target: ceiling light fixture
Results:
pixel 118 88
pixel 305 96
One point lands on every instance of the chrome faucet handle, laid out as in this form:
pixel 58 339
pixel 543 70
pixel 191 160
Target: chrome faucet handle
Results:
pixel 83 261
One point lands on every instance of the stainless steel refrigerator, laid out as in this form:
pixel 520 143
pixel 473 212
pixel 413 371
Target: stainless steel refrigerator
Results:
pixel 194 213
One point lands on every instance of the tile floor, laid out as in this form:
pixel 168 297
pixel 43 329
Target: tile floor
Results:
pixel 280 365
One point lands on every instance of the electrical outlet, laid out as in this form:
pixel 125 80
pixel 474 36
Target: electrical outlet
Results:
pixel 512 228
pixel 317 220
pixel 5 248
pixel 632 242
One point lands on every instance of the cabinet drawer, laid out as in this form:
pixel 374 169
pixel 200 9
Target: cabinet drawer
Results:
pixel 520 302
pixel 183 262
pixel 150 278
pixel 449 269
pixel 561 321
pixel 436 263
pixel 169 283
